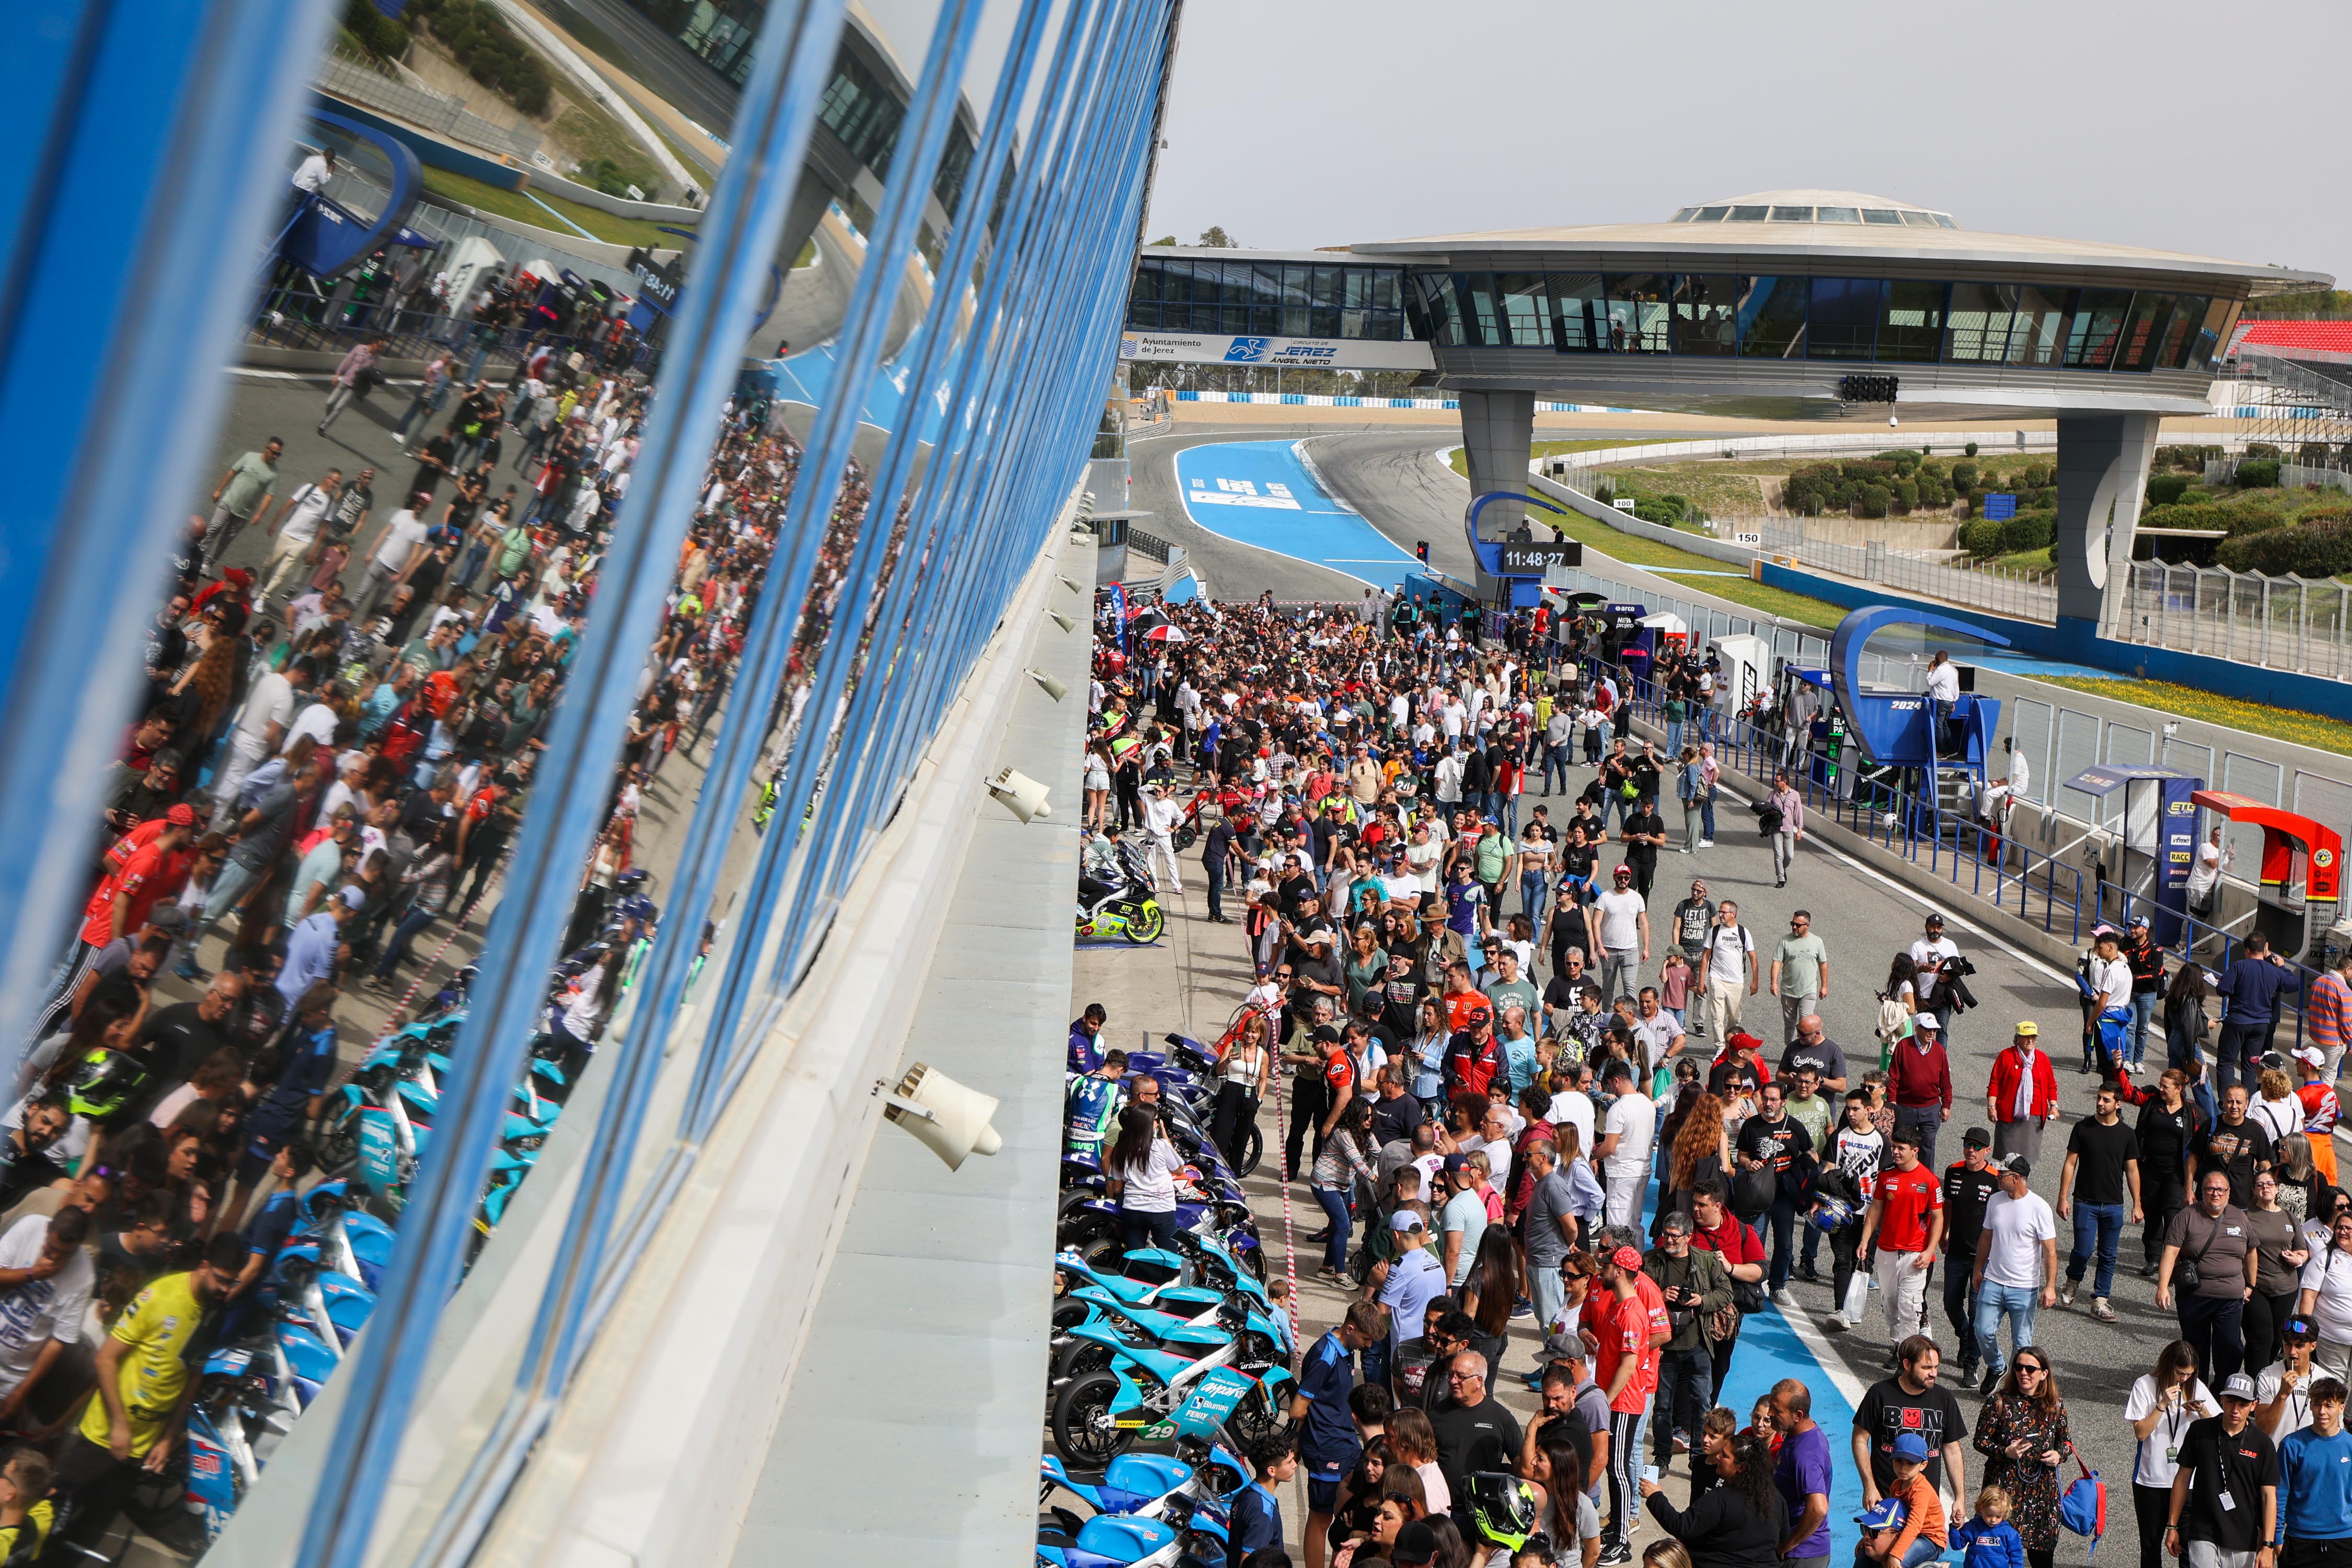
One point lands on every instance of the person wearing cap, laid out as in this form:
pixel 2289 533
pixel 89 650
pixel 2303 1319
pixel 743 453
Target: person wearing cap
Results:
pixel 1415 1547
pixel 2147 961
pixel 2021 1095
pixel 2218 1238
pixel 2314 1485
pixel 2016 1271
pixel 1907 1528
pixel 1932 947
pixel 2321 1110
pixel 121 904
pixel 1970 1183
pixel 2282 1392
pixel 1624 918
pixel 1696 1288
pixel 2327 1017
pixel 2225 1505
pixel 1625 1329
pixel 1919 1082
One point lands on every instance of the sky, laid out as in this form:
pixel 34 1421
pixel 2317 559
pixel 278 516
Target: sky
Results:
pixel 1297 123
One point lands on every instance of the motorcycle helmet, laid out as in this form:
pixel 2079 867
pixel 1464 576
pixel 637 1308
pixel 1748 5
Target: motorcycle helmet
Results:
pixel 103 1084
pixel 1502 1507
pixel 639 909
pixel 630 883
pixel 1831 1214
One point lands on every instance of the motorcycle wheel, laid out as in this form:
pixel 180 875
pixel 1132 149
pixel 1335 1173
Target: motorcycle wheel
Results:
pixel 1083 1433
pixel 1079 1358
pixel 1254 1259
pixel 1253 1418
pixel 1068 1314
pixel 1146 924
pixel 1102 1254
pixel 1184 838
pixel 1083 1233
pixel 1253 1146
pixel 338 1148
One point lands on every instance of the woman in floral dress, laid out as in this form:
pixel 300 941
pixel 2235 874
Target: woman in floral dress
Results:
pixel 2022 1434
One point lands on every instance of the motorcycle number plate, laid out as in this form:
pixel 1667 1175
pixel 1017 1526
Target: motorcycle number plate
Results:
pixel 1159 1432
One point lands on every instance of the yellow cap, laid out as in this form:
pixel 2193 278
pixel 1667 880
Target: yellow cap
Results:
pixel 2029 1027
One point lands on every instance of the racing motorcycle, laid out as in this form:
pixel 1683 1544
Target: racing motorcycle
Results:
pixel 1130 910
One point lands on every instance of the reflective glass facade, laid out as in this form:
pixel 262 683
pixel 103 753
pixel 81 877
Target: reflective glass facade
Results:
pixel 1880 320
pixel 1292 300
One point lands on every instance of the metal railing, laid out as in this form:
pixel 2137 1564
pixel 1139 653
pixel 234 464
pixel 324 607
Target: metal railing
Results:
pixel 424 108
pixel 420 334
pixel 2294 623
pixel 2023 595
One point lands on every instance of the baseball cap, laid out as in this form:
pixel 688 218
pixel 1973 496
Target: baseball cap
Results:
pixel 1926 1021
pixel 1404 1222
pixel 2239 1387
pixel 354 896
pixel 1934 919
pixel 168 918
pixel 2311 1053
pixel 1623 871
pixel 180 816
pixel 1976 1138
pixel 2018 1165
pixel 1416 1545
pixel 1740 1040
pixel 1458 1162
pixel 1910 1445
pixel 2136 921
pixel 2028 1028
pixel 1479 1016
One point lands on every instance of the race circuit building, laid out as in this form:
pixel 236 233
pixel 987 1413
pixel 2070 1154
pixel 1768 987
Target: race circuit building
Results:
pixel 1792 304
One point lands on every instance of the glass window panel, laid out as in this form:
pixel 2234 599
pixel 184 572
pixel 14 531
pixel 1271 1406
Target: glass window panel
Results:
pixel 1772 318
pixel 1920 220
pixel 1351 323
pixel 1143 313
pixel 1639 303
pixel 1748 214
pixel 1479 327
pixel 1326 285
pixel 1325 319
pixel 2179 333
pixel 1234 319
pixel 1294 284
pixel 1880 215
pixel 1792 215
pixel 2144 332
pixel 2039 330
pixel 1710 214
pixel 1579 322
pixel 1525 309
pixel 2096 328
pixel 1683 215
pixel 1706 314
pixel 2221 320
pixel 1176 281
pixel 1146 284
pixel 1386 326
pixel 1294 321
pixel 1980 316
pixel 1911 323
pixel 1838 215
pixel 1360 287
pixel 1944 220
pixel 1844 319
pixel 1268 284
pixel 1440 306
pixel 1384 291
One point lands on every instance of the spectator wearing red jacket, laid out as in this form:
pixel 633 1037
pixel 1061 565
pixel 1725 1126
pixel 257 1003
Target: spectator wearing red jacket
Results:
pixel 1919 1078
pixel 2022 1096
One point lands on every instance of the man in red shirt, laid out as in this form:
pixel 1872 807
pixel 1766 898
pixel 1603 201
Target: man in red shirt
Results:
pixel 138 877
pixel 1907 1218
pixel 1919 1078
pixel 1474 1056
pixel 1714 1228
pixel 1627 1326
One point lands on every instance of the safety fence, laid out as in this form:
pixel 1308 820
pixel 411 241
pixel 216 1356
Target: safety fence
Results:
pixel 2296 624
pixel 421 334
pixel 439 112
pixel 2027 596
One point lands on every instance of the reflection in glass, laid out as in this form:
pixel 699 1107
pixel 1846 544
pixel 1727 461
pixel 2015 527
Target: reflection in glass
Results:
pixel 1294 321
pixel 1843 320
pixel 1706 314
pixel 1579 322
pixel 1637 312
pixel 1525 309
pixel 1792 215
pixel 1478 320
pixel 1980 315
pixel 1748 214
pixel 1911 323
pixel 1772 318
pixel 1920 220
pixel 1384 290
pixel 1944 220
pixel 1441 308
pixel 1294 284
pixel 1683 215
pixel 1710 214
pixel 1326 286
pixel 2145 331
pixel 2220 317
pixel 2179 333
pixel 1839 215
pixel 2096 328
pixel 1880 215
pixel 2040 329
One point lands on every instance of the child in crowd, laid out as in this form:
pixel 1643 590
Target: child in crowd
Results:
pixel 1674 987
pixel 1904 1527
pixel 1256 1518
pixel 1988 1539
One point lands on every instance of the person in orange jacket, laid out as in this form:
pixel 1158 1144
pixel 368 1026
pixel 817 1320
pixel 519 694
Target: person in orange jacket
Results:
pixel 2023 1094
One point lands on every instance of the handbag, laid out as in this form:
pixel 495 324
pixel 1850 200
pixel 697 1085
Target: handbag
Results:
pixel 2084 1509
pixel 2189 1276
pixel 1754 1189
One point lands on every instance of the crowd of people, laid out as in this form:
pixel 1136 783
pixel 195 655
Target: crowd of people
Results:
pixel 1530 1077
pixel 349 681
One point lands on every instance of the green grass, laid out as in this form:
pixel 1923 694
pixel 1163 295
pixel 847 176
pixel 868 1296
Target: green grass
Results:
pixel 1602 539
pixel 2254 718
pixel 2042 559
pixel 807 256
pixel 518 207
pixel 588 132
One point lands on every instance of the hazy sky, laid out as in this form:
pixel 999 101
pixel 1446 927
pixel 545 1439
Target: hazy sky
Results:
pixel 1297 124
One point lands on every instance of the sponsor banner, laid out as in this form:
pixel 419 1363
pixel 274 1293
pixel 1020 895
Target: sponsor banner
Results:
pixel 1315 400
pixel 1324 353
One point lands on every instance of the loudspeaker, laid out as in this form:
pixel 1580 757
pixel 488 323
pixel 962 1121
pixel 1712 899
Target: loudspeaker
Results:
pixel 1019 794
pixel 951 1120
pixel 1051 687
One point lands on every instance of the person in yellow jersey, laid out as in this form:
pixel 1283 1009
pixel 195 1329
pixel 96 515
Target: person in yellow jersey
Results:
pixel 144 1384
pixel 25 1511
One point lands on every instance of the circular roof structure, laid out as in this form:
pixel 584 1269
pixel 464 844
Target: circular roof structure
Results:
pixel 1854 207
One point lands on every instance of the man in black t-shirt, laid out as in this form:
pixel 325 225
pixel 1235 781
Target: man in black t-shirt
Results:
pixel 2100 1185
pixel 179 1038
pixel 2237 1144
pixel 1773 1138
pixel 1643 830
pixel 1970 1183
pixel 2225 1492
pixel 1910 1402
